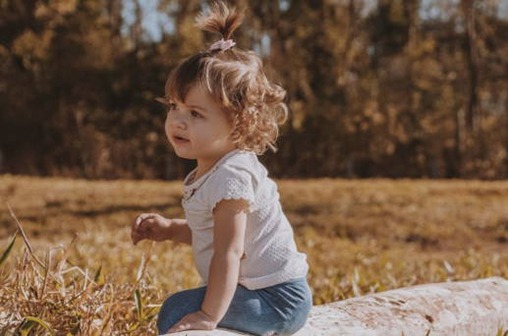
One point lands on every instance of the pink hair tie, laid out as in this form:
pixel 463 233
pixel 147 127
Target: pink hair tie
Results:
pixel 222 45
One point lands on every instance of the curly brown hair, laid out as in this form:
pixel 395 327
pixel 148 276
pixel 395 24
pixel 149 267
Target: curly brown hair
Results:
pixel 255 106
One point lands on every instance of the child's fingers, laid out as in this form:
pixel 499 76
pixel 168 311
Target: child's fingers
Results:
pixel 197 321
pixel 143 227
pixel 142 217
pixel 143 231
pixel 180 326
pixel 135 238
pixel 138 230
pixel 138 220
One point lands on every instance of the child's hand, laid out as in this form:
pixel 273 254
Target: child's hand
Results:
pixel 194 321
pixel 150 226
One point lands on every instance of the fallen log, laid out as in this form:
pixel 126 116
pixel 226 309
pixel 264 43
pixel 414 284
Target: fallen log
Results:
pixel 478 307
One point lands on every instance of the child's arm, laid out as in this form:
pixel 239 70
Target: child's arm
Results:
pixel 230 217
pixel 155 227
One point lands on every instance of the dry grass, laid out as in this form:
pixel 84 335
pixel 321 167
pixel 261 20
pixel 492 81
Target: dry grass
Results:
pixel 85 277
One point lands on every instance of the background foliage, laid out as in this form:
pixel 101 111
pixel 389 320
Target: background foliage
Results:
pixel 414 88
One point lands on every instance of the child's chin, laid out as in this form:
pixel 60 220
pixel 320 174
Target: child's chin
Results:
pixel 184 155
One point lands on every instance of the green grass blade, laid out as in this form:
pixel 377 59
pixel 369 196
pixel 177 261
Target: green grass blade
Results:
pixel 97 275
pixel 29 323
pixel 9 248
pixel 25 328
pixel 139 304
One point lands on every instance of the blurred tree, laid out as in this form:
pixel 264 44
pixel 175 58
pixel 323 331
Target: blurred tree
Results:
pixel 375 88
pixel 470 22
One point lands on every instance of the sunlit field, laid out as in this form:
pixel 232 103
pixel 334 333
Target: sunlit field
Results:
pixel 76 271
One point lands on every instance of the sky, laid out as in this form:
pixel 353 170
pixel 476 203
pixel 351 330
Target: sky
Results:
pixel 154 22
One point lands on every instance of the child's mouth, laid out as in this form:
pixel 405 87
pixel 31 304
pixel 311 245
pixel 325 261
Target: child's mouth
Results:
pixel 180 139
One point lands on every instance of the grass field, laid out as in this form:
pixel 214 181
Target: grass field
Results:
pixel 83 276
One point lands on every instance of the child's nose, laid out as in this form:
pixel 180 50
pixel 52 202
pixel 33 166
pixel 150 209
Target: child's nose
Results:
pixel 178 120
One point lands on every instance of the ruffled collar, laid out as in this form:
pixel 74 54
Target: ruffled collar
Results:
pixel 191 185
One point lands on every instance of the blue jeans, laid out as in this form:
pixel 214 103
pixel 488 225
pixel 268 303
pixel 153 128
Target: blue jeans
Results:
pixel 281 309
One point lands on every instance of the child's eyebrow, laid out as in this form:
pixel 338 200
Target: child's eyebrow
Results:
pixel 197 107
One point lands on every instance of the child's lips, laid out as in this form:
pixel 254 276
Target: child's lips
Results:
pixel 179 140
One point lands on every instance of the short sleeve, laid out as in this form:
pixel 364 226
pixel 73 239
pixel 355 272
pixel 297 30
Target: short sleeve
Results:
pixel 230 183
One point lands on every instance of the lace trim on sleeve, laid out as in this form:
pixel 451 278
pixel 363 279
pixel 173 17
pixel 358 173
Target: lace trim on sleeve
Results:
pixel 236 186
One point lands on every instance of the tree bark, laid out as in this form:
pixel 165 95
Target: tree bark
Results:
pixel 471 62
pixel 477 308
pixel 115 22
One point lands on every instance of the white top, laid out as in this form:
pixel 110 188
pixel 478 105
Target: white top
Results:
pixel 270 256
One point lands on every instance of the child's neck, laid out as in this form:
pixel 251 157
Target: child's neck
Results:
pixel 204 167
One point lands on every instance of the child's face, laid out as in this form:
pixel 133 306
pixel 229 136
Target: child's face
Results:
pixel 198 128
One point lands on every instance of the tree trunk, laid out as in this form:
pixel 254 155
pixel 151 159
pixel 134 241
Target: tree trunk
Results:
pixel 471 62
pixel 115 22
pixel 454 308
pixel 506 144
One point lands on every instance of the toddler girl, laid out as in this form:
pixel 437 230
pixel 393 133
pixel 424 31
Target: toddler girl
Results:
pixel 223 112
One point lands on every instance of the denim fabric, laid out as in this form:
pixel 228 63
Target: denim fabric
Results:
pixel 278 310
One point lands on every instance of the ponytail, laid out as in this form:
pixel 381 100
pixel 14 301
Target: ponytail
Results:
pixel 221 19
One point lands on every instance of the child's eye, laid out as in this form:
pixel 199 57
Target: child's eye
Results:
pixel 195 114
pixel 171 107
